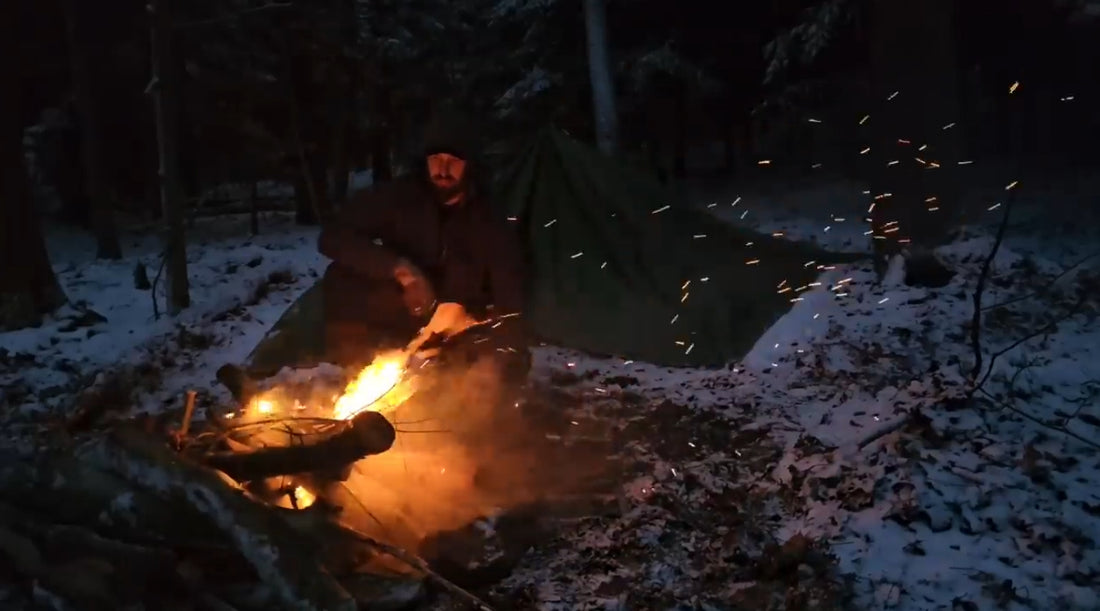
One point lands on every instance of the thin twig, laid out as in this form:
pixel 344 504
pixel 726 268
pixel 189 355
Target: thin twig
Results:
pixel 1037 420
pixel 1050 285
pixel 1047 328
pixel 979 290
pixel 287 420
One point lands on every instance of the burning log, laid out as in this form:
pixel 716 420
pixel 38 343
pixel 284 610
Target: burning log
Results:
pixel 366 434
pixel 283 559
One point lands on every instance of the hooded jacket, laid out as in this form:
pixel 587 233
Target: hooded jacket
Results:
pixel 470 255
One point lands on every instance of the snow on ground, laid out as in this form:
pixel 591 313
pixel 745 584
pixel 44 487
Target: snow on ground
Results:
pixel 240 285
pixel 927 499
pixel 846 430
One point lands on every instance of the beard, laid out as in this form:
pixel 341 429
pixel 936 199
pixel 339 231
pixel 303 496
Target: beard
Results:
pixel 448 192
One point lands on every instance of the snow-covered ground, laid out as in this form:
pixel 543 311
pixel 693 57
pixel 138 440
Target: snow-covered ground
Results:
pixel 240 285
pixel 846 426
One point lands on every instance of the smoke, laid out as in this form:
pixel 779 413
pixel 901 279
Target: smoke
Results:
pixel 463 451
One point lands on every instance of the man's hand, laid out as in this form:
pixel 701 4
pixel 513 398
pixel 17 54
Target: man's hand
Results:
pixel 417 292
pixel 449 319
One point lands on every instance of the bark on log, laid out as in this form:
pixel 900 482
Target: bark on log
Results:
pixel 283 560
pixel 74 491
pixel 366 434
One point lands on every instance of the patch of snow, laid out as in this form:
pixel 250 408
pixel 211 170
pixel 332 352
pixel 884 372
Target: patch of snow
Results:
pixel 239 286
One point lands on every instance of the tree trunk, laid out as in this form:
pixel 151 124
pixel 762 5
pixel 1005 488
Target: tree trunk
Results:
pixel 312 198
pixel 304 213
pixel 83 51
pixel 28 286
pixel 166 101
pixel 380 163
pixel 601 76
pixel 914 77
pixel 341 158
pixel 254 208
pixel 381 137
pixel 344 127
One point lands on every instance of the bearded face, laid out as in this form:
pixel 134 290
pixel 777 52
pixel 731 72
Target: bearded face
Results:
pixel 447 173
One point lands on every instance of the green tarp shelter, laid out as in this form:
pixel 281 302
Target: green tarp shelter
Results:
pixel 619 269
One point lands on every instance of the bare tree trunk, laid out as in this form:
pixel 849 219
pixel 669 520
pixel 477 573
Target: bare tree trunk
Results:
pixel 381 137
pixel 381 166
pixel 341 160
pixel 601 76
pixel 312 197
pixel 254 207
pixel 28 286
pixel 165 95
pixel 344 127
pixel 82 51
pixel 914 77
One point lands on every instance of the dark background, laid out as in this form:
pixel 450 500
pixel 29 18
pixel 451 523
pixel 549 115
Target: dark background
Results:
pixel 301 93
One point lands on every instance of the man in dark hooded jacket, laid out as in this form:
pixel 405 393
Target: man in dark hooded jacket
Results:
pixel 422 252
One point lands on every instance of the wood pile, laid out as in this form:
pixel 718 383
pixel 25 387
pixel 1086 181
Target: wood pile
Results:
pixel 140 515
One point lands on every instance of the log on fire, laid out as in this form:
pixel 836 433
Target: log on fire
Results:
pixel 366 434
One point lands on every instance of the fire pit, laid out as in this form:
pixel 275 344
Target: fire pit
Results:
pixel 303 498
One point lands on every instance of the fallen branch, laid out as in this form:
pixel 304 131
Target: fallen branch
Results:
pixel 420 565
pixel 283 560
pixel 890 427
pixel 367 434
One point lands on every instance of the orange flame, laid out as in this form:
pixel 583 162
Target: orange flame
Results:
pixel 370 386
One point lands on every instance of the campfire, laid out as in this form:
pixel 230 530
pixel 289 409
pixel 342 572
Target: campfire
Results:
pixel 318 490
pixel 380 387
pixel 305 498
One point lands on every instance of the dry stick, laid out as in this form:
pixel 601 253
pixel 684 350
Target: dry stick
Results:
pixel 420 565
pixel 188 412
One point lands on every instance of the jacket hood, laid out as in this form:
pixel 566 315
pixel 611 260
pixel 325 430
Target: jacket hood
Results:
pixel 451 131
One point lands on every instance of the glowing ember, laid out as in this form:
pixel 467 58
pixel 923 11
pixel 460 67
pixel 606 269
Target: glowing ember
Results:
pixel 372 384
pixel 303 498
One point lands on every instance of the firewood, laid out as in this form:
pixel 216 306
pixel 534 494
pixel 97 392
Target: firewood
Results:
pixel 284 561
pixel 366 434
pixel 63 487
